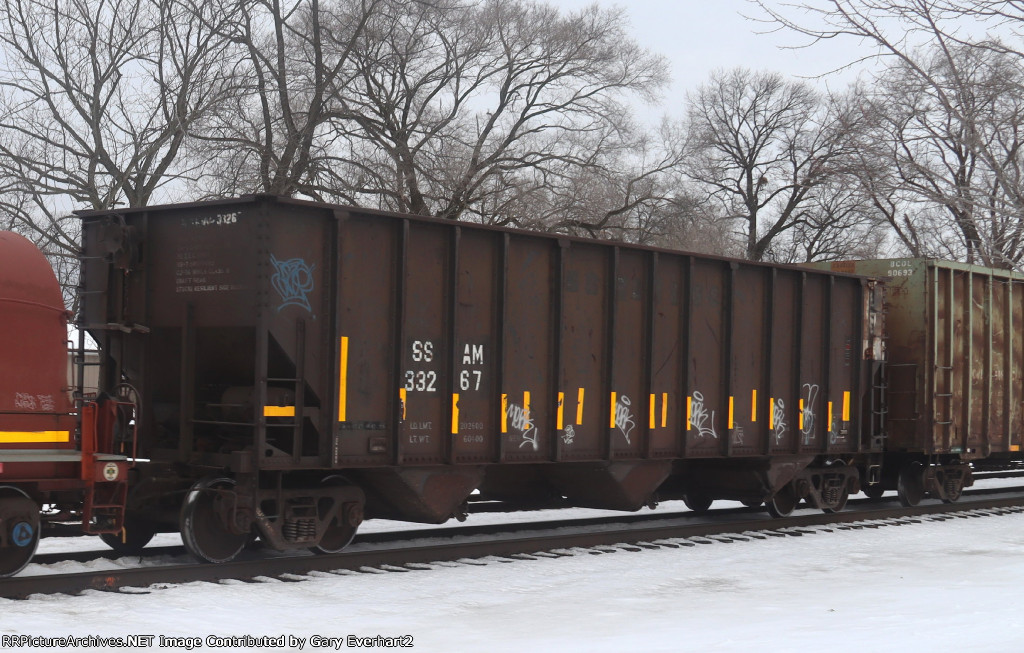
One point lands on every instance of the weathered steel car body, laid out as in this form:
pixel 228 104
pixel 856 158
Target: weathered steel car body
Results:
pixel 955 371
pixel 301 365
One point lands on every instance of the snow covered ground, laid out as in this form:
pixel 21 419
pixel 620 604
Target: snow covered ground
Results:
pixel 953 585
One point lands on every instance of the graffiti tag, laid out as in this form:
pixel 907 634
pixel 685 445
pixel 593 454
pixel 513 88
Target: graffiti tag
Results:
pixel 293 280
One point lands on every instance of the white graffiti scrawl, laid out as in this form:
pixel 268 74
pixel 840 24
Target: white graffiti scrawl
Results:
pixel 808 413
pixel 624 418
pixel 569 434
pixel 520 419
pixel 699 417
pixel 779 419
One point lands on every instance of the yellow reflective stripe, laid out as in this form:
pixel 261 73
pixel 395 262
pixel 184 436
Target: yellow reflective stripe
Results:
pixel 455 413
pixel 279 411
pixel 401 396
pixel 846 406
pixel 800 418
pixel 654 406
pixel 504 413
pixel 731 426
pixel 343 381
pixel 771 412
pixel 561 411
pixel 829 424
pixel 611 417
pixel 35 436
pixel 579 407
pixel 689 405
pixel 753 405
pixel 527 418
pixel 664 409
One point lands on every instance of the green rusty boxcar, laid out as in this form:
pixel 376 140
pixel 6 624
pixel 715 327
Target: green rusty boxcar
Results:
pixel 955 371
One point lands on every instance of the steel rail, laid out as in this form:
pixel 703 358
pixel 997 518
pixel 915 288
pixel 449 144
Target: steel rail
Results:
pixel 399 556
pixel 474 530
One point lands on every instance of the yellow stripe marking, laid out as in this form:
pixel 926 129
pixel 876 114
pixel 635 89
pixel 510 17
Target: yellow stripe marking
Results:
pixel 527 418
pixel 1014 447
pixel 455 413
pixel 753 405
pixel 504 413
pixel 730 412
pixel 829 425
pixel 771 412
pixel 664 409
pixel 561 411
pixel 579 407
pixel 689 405
pixel 654 405
pixel 611 418
pixel 402 394
pixel 279 411
pixel 800 417
pixel 35 436
pixel 343 381
pixel 846 406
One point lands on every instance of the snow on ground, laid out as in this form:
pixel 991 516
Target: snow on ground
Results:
pixel 950 585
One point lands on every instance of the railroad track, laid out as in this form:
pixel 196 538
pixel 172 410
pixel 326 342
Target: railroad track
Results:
pixel 409 550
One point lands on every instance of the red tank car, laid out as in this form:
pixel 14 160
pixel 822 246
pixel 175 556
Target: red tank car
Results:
pixel 51 454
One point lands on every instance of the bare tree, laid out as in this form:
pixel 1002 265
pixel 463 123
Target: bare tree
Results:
pixel 762 148
pixel 290 60
pixel 97 98
pixel 459 108
pixel 914 150
pixel 939 48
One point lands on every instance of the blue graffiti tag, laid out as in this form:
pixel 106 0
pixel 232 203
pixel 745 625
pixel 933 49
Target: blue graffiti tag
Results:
pixel 293 280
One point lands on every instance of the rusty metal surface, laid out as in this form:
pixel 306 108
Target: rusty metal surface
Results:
pixel 955 356
pixel 282 335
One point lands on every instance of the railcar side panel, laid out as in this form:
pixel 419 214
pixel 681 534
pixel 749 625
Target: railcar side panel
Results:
pixel 707 401
pixel 526 390
pixel 584 334
pixel 751 348
pixel 628 416
pixel 668 356
pixel 425 346
pixel 474 358
pixel 366 402
pixel 843 397
pixel 784 382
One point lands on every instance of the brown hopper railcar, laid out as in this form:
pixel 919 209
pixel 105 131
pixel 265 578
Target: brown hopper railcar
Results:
pixel 301 366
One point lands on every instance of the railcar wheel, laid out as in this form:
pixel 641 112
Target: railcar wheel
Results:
pixel 783 503
pixel 19 519
pixel 135 535
pixel 910 485
pixel 343 527
pixel 698 503
pixel 873 491
pixel 839 503
pixel 752 503
pixel 953 492
pixel 203 529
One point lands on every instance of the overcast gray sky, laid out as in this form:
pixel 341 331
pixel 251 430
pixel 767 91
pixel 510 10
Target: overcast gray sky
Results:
pixel 699 36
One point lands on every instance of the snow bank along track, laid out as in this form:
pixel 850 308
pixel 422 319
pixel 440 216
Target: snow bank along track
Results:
pixel 399 552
